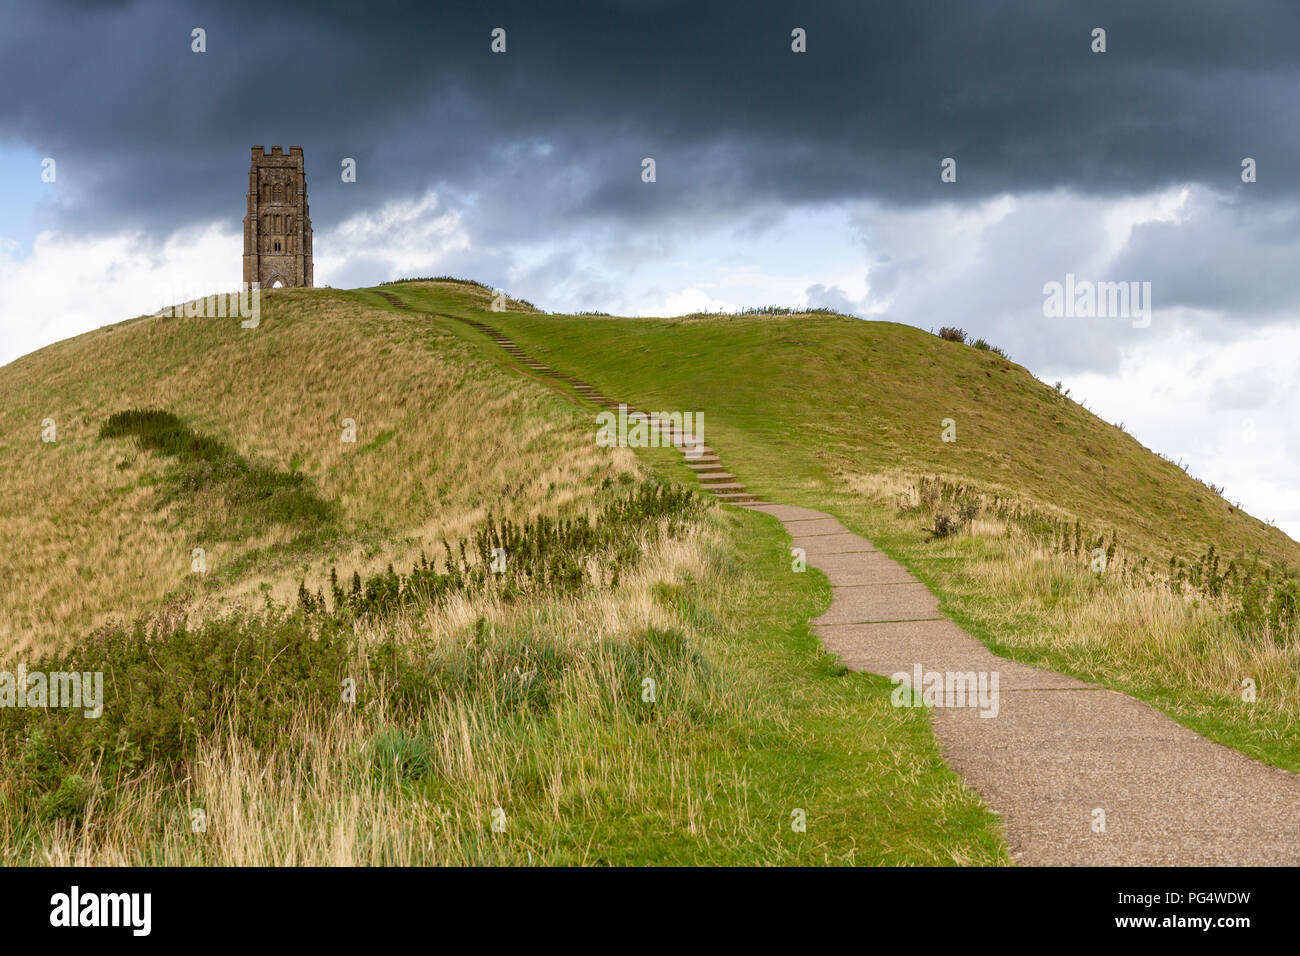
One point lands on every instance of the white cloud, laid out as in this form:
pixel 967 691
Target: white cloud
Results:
pixel 69 285
pixel 1170 395
pixel 686 301
pixel 405 236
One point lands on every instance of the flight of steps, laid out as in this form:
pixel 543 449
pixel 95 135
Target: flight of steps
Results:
pixel 700 459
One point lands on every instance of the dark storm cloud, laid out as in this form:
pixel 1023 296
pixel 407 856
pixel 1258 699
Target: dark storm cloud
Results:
pixel 552 133
pixel 1222 257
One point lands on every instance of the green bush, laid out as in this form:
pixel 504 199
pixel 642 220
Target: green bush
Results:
pixel 543 555
pixel 166 687
pixel 68 801
pixel 1283 609
pixel 168 684
pixel 984 346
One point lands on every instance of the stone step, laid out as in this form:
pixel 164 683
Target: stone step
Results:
pixel 726 486
pixel 706 460
pixel 705 466
pixel 714 477
pixel 736 498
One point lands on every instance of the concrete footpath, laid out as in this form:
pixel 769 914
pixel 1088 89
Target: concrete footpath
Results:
pixel 1058 750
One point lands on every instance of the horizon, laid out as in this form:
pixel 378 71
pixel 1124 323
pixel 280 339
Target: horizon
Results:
pixel 1293 532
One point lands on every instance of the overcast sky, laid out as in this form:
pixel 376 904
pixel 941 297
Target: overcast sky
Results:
pixel 806 178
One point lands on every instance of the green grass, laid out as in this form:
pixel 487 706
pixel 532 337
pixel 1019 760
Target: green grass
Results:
pixel 796 732
pixel 798 406
pixel 869 775
pixel 1267 730
pixel 754 723
pixel 533 706
pixel 797 400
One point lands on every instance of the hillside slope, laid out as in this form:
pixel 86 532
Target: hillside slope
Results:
pixel 429 458
pixel 805 400
pixel 638 684
pixel 1191 600
pixel 526 695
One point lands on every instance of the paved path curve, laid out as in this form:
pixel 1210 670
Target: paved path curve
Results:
pixel 1058 750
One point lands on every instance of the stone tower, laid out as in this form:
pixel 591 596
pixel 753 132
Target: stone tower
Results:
pixel 277 228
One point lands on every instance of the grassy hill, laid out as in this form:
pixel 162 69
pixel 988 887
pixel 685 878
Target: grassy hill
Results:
pixel 347 682
pixel 521 697
pixel 121 526
pixel 808 400
pixel 848 416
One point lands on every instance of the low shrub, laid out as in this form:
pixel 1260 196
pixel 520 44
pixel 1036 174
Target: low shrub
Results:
pixel 250 675
pixel 543 554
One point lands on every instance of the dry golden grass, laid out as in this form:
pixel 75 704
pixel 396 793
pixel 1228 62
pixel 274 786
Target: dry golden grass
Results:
pixel 330 803
pixel 83 539
pixel 466 438
pixel 1176 646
